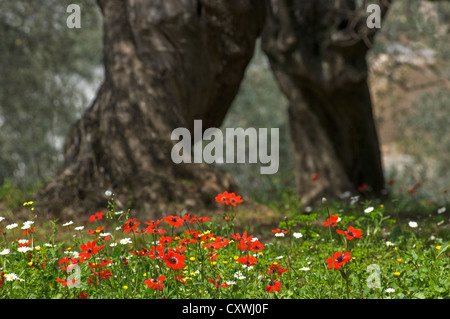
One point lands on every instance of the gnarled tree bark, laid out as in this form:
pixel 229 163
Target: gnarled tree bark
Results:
pixel 167 62
pixel 317 51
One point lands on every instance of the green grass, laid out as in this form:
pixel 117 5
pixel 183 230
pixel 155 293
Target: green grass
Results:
pixel 390 260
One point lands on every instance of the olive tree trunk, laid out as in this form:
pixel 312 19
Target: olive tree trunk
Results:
pixel 167 62
pixel 317 51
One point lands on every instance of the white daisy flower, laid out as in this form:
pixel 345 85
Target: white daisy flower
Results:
pixel 279 235
pixel 439 211
pixel 12 226
pixel 412 224
pixel 305 268
pixel 239 275
pixel 389 290
pixel 1 218
pixel 24 249
pixel 389 243
pixel 368 209
pixel 5 251
pixel 125 241
pixel 11 277
pixel 68 223
pixel 79 228
pixel 108 193
pixel 297 235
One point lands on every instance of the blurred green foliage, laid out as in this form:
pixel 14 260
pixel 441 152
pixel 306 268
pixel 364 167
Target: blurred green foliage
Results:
pixel 45 69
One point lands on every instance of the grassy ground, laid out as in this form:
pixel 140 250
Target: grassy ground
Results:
pixel 402 253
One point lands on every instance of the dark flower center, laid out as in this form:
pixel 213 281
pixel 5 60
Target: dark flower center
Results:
pixel 89 251
pixel 340 259
pixel 173 260
pixel 350 234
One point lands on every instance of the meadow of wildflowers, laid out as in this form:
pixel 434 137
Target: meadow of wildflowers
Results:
pixel 327 253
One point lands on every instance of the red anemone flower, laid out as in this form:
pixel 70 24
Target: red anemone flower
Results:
pixel 174 221
pixel 96 231
pixel 244 236
pixel 100 264
pixel 203 219
pixel 247 261
pixel 351 233
pixel 156 252
pixel 66 282
pixel 276 269
pixel 214 245
pixel 338 260
pixel 165 240
pixel 221 241
pixel 174 260
pixel 130 225
pixel 332 221
pixel 280 231
pixel 212 256
pixel 180 278
pixel 244 245
pixel 256 245
pixel 223 198
pixel 216 283
pixel 274 285
pixel 234 199
pixel 155 283
pixel 103 275
pixel 89 249
pixel 83 295
pixel 96 216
